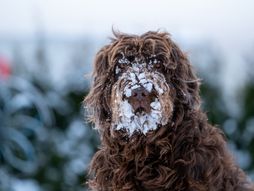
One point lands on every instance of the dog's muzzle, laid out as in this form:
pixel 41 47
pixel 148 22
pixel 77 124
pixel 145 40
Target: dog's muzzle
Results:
pixel 139 95
pixel 140 100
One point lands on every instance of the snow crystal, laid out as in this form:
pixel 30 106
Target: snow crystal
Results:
pixel 127 109
pixel 158 89
pixel 143 81
pixel 155 116
pixel 148 86
pixel 141 76
pixel 156 105
pixel 117 70
pixel 127 92
pixel 132 76
pixel 135 87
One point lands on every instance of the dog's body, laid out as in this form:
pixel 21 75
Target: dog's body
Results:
pixel 146 106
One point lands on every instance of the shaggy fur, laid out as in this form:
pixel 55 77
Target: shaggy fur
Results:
pixel 183 152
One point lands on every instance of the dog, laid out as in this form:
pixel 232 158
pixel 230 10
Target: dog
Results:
pixel 145 103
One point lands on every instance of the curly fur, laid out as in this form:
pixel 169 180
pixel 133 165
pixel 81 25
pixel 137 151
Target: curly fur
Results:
pixel 186 153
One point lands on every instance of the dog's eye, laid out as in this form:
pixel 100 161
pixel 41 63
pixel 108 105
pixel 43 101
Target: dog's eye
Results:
pixel 122 66
pixel 131 58
pixel 157 65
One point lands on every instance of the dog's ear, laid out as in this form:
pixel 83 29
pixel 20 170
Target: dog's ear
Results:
pixel 96 101
pixel 100 65
pixel 184 78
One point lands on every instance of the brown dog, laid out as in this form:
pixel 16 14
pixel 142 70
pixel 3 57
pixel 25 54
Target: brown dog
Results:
pixel 145 103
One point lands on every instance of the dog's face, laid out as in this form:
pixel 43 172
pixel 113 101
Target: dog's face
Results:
pixel 141 98
pixel 139 82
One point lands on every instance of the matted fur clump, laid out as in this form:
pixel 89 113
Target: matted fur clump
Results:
pixel 145 103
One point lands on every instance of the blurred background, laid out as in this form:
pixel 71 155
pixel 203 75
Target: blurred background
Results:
pixel 46 48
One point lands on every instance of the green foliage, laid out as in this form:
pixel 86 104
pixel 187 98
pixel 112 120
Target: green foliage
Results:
pixel 239 130
pixel 46 143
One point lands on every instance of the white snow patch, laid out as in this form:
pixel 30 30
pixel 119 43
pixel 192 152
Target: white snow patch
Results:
pixel 123 60
pixel 141 76
pixel 143 123
pixel 118 70
pixel 135 86
pixel 137 77
pixel 133 77
pixel 148 86
pixel 127 92
pixel 156 105
pixel 126 109
pixel 158 89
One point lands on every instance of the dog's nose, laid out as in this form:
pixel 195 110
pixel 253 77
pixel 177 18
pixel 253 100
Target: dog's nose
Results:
pixel 140 100
pixel 140 93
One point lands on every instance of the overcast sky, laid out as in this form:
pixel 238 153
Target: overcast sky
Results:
pixel 228 22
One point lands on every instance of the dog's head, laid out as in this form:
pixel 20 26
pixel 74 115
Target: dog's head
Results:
pixel 141 83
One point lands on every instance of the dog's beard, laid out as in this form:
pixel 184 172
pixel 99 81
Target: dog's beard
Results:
pixel 123 115
pixel 143 122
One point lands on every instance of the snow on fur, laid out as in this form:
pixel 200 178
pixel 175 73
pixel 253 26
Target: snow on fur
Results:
pixel 144 122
